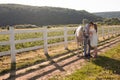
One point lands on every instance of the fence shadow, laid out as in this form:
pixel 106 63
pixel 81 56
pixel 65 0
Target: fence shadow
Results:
pixel 109 44
pixel 108 63
pixel 54 63
pixel 60 67
pixel 51 62
pixel 57 67
pixel 12 72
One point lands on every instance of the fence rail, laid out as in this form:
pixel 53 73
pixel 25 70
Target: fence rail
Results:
pixel 102 32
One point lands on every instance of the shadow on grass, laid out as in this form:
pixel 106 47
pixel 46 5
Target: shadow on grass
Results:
pixel 100 61
pixel 12 72
pixel 54 63
pixel 108 64
pixel 57 66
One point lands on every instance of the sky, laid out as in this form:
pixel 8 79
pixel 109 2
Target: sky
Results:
pixel 88 5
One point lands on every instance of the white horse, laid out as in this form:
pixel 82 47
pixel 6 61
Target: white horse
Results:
pixel 79 38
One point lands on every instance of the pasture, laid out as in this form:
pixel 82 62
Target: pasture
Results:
pixel 30 44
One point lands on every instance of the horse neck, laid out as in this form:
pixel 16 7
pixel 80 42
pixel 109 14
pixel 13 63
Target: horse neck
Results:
pixel 80 32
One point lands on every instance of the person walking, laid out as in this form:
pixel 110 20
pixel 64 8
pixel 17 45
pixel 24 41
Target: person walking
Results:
pixel 87 46
pixel 93 38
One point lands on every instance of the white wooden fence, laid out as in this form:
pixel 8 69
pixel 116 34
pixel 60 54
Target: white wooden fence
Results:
pixel 12 42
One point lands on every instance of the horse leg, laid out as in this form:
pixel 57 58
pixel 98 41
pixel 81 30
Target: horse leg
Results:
pixel 82 50
pixel 78 44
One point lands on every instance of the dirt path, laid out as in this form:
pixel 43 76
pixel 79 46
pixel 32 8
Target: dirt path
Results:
pixel 60 66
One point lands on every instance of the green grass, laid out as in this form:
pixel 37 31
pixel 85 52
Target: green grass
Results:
pixel 28 61
pixel 105 67
pixel 25 62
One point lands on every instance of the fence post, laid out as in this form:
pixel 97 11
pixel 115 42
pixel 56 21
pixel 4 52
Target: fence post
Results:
pixel 112 32
pixel 103 32
pixel 45 40
pixel 108 32
pixel 65 38
pixel 117 30
pixel 12 45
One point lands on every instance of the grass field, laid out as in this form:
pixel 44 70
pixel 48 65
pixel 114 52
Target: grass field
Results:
pixel 31 57
pixel 105 67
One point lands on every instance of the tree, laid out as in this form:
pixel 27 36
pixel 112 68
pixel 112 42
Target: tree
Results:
pixel 112 21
